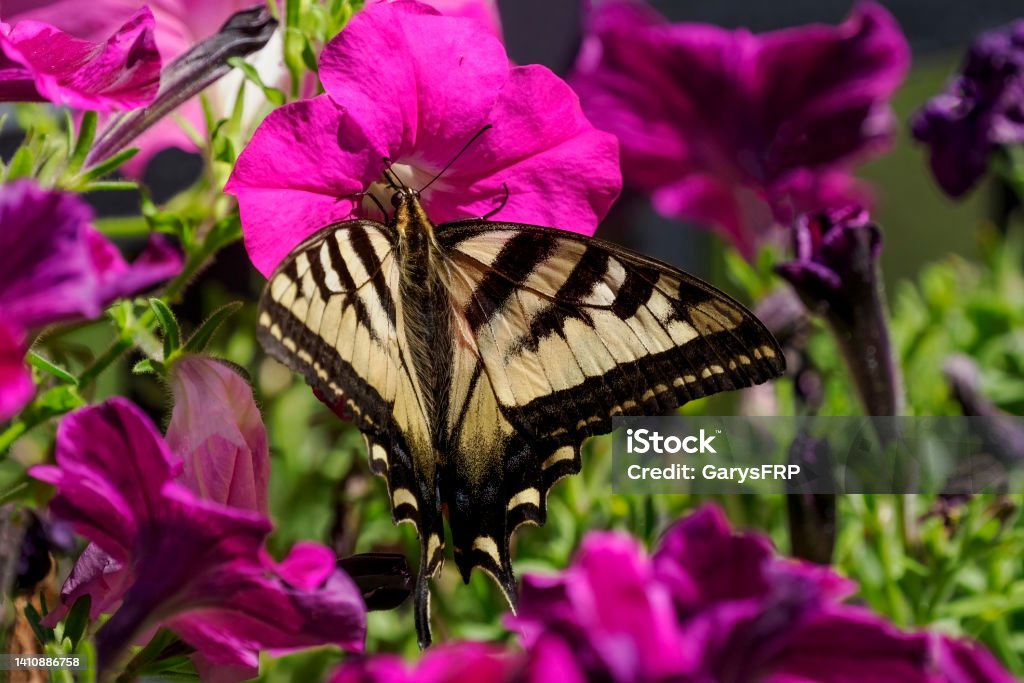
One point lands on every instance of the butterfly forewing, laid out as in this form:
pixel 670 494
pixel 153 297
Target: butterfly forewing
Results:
pixel 581 330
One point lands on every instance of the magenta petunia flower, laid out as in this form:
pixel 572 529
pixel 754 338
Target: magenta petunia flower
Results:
pixel 981 110
pixel 712 605
pixel 39 62
pixel 16 386
pixel 197 566
pixel 459 662
pixel 409 84
pixel 737 131
pixel 55 266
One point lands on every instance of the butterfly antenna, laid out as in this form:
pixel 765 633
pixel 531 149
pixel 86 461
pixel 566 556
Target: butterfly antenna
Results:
pixel 376 201
pixel 456 157
pixel 501 205
pixel 390 177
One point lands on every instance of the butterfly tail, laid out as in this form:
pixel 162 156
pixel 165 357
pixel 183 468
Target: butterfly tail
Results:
pixel 422 597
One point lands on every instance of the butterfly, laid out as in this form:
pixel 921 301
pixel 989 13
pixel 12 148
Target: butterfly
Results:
pixel 476 356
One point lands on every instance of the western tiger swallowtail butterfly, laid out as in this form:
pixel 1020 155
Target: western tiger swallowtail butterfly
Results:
pixel 476 356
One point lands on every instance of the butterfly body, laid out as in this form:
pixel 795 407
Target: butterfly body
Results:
pixel 476 357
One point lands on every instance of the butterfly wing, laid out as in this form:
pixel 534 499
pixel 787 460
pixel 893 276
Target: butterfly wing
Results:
pixel 331 312
pixel 569 332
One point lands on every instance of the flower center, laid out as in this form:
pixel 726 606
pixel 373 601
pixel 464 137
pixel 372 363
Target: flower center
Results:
pixel 407 175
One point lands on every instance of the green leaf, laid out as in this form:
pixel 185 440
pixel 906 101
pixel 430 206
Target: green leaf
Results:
pixel 13 480
pixel 198 342
pixel 86 135
pixel 162 221
pixel 21 164
pixel 34 620
pixel 51 368
pixel 169 324
pixel 108 166
pixel 224 232
pixel 273 95
pixel 77 619
pixel 147 366
pixel 111 185
pixel 59 400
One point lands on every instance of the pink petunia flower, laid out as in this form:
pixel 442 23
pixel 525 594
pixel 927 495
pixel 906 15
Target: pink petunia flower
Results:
pixel 180 24
pixel 162 554
pixel 737 131
pixel 39 62
pixel 54 266
pixel 409 84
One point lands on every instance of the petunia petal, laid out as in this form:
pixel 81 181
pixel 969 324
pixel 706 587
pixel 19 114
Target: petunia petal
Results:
pixel 576 161
pixel 620 622
pixel 98 575
pixel 16 386
pixel 439 75
pixel 217 430
pixel 483 12
pixel 122 73
pixel 45 271
pixel 54 266
pixel 824 89
pixel 287 187
pixel 106 496
pixel 962 661
pixel 158 262
pixel 462 662
pixel 307 566
pixel 261 610
pixel 981 109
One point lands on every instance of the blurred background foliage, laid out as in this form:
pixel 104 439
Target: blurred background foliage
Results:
pixel 954 287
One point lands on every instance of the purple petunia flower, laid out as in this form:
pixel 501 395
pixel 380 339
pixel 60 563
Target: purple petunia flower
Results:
pixel 981 110
pixel 409 84
pixel 835 272
pixel 55 266
pixel 709 605
pixel 164 555
pixel 39 62
pixel 739 131
pixel 712 605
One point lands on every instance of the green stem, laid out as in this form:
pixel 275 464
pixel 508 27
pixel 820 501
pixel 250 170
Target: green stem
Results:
pixel 103 361
pixel 12 434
